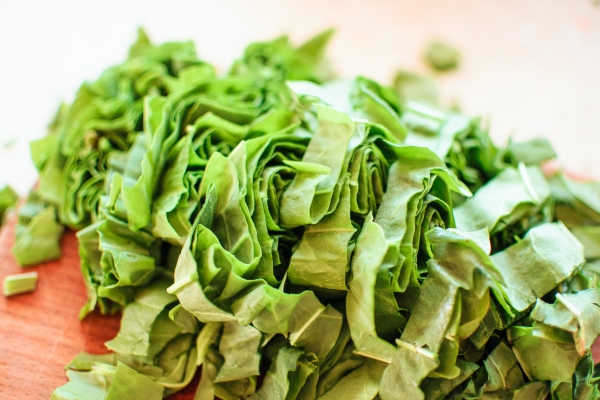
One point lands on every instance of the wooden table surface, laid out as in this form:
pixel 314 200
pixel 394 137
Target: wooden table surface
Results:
pixel 40 331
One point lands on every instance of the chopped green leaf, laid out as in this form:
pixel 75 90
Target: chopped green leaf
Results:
pixel 20 283
pixel 38 233
pixel 441 56
pixel 128 384
pixel 8 199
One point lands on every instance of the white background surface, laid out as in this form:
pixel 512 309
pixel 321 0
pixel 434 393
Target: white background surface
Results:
pixel 531 67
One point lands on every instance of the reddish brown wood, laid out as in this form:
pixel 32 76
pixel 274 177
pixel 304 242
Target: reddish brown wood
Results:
pixel 40 331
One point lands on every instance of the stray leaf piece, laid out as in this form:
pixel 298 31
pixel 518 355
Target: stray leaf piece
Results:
pixel 441 56
pixel 38 232
pixel 8 199
pixel 415 87
pixel 20 283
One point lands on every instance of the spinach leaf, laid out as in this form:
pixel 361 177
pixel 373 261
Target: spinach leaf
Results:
pixel 533 267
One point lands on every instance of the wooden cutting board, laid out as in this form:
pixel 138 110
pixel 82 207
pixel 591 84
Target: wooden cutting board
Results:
pixel 40 331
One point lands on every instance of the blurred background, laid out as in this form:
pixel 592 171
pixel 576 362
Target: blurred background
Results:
pixel 531 68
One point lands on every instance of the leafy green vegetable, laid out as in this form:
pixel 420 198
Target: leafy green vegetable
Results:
pixel 438 388
pixel 239 346
pixel 362 383
pixel 509 205
pixel 362 298
pixel 299 237
pixel 104 381
pixel 442 56
pixel 415 87
pixel 430 340
pixel 19 283
pixel 535 151
pixel 308 198
pixel 502 370
pixel 138 320
pixel 127 384
pixel 91 384
pixel 8 199
pixel 38 233
pixel 578 314
pixel 288 373
pixel 324 249
pixel 559 359
pixel 533 267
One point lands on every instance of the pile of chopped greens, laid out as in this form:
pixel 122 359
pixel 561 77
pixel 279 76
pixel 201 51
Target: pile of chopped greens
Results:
pixel 300 237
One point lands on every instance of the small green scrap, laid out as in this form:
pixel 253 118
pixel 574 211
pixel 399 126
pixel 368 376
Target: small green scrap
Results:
pixel 8 199
pixel 441 56
pixel 20 283
pixel 37 232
